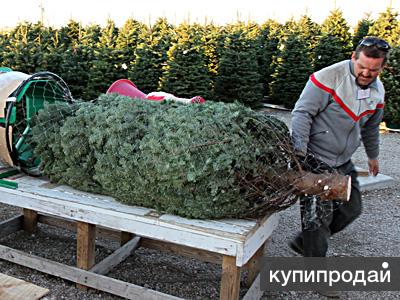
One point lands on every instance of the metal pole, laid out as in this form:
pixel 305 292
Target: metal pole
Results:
pixel 41 12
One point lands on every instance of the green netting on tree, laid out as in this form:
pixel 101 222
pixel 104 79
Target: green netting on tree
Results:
pixel 208 160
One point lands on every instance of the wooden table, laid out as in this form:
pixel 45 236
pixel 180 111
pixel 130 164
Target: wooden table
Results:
pixel 230 242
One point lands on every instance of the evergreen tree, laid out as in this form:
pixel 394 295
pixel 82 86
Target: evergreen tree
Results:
pixel 104 70
pixel 145 71
pixel 3 45
pixel 336 25
pixel 386 27
pixel 328 51
pixel 9 50
pixel 186 72
pixel 75 69
pixel 91 35
pixel 289 27
pixel 362 30
pixel 76 56
pixel 106 66
pixel 238 76
pixel 391 80
pixel 309 31
pixel 109 35
pixel 395 40
pixel 212 36
pixel 24 50
pixel 151 56
pixel 129 37
pixel 268 50
pixel 292 71
pixel 71 33
pixel 253 34
pixel 53 52
pixel 61 42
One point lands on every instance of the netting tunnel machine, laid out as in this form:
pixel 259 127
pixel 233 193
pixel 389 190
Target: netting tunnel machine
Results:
pixel 21 97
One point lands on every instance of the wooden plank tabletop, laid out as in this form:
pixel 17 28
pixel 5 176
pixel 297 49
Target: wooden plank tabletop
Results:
pixel 232 237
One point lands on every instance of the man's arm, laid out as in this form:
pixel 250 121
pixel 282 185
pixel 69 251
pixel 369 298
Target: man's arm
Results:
pixel 312 100
pixel 373 166
pixel 370 139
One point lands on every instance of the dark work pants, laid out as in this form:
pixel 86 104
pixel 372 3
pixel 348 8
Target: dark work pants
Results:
pixel 321 219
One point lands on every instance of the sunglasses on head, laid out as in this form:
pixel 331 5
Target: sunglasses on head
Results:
pixel 378 43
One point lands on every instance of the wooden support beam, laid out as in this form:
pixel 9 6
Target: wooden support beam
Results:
pixel 86 243
pixel 82 277
pixel 11 225
pixel 57 222
pixel 107 264
pixel 254 292
pixel 253 278
pixel 230 279
pixel 30 220
pixel 114 235
pixel 186 251
pixel 71 225
pixel 254 266
pixel 125 237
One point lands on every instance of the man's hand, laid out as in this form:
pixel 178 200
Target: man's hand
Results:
pixel 373 166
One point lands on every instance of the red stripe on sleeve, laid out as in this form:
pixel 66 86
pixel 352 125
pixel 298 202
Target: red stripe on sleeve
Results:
pixel 335 96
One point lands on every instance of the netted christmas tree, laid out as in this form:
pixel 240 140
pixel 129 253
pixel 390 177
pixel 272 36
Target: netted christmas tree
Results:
pixel 190 160
pixel 210 160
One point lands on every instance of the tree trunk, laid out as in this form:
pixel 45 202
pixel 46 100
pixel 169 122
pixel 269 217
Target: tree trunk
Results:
pixel 328 186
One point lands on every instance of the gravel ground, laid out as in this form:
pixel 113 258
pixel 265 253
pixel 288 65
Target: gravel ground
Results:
pixel 375 233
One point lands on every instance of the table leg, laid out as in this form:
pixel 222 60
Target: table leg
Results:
pixel 30 220
pixel 125 237
pixel 86 242
pixel 230 279
pixel 254 266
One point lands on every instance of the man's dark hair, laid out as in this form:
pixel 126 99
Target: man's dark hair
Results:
pixel 373 47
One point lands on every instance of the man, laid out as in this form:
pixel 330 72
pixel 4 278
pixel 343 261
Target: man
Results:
pixel 340 106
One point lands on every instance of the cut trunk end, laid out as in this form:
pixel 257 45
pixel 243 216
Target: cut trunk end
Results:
pixel 328 186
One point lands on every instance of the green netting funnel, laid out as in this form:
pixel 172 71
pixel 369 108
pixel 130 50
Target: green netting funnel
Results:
pixel 19 108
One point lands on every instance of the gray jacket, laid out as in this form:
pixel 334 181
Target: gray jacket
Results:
pixel 333 115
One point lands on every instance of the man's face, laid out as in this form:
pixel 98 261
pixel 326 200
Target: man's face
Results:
pixel 366 69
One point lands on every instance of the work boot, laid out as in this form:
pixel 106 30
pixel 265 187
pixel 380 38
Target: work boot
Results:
pixel 296 245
